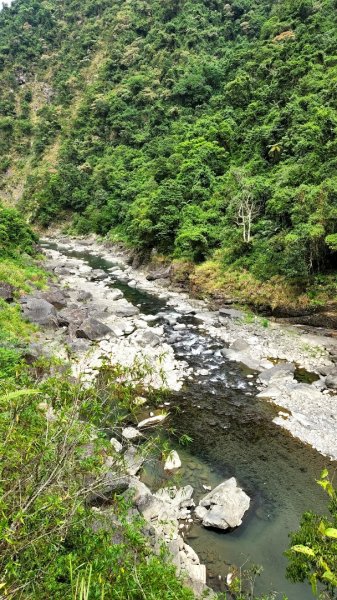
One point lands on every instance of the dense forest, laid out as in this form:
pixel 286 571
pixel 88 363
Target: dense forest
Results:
pixel 205 130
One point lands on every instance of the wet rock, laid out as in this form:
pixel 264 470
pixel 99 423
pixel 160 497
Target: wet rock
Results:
pixel 172 462
pixel 56 298
pixel 225 505
pixel 92 329
pixel 37 310
pixel 83 296
pixel 7 291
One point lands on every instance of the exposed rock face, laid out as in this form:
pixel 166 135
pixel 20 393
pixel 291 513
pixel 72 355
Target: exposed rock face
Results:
pixel 224 506
pixel 92 329
pixel 37 310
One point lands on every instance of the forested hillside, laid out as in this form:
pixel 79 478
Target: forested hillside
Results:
pixel 203 129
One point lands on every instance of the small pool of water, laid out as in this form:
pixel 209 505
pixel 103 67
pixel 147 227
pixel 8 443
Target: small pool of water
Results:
pixel 233 435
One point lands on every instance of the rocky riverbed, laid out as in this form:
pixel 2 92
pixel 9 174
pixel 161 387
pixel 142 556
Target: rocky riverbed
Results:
pixel 307 410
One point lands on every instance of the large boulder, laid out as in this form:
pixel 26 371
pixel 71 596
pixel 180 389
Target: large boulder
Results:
pixel 225 506
pixel 72 316
pixel 38 310
pixel 56 298
pixel 92 329
pixel 279 372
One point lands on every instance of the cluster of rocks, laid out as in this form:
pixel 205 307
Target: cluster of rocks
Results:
pixel 170 510
pixel 95 323
pixel 312 411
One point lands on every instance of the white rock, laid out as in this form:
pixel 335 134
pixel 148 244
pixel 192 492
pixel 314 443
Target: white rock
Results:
pixel 116 444
pixel 172 462
pixel 152 421
pixel 226 505
pixel 130 433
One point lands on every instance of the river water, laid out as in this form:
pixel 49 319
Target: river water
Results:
pixel 232 435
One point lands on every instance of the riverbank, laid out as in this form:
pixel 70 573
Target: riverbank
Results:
pixel 306 410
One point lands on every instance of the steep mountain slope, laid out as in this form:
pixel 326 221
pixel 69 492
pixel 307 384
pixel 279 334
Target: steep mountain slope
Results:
pixel 197 128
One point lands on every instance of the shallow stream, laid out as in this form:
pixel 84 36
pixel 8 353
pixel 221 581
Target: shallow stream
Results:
pixel 232 435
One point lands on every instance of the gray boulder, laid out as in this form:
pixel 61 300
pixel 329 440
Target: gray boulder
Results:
pixel 56 298
pixel 277 373
pixel 72 316
pixel 125 310
pixel 225 505
pixel 37 310
pixel 133 460
pixel 91 329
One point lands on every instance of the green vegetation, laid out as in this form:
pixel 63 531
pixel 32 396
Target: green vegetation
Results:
pixel 201 129
pixel 313 553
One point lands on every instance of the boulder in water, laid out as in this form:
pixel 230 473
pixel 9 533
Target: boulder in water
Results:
pixel 225 505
